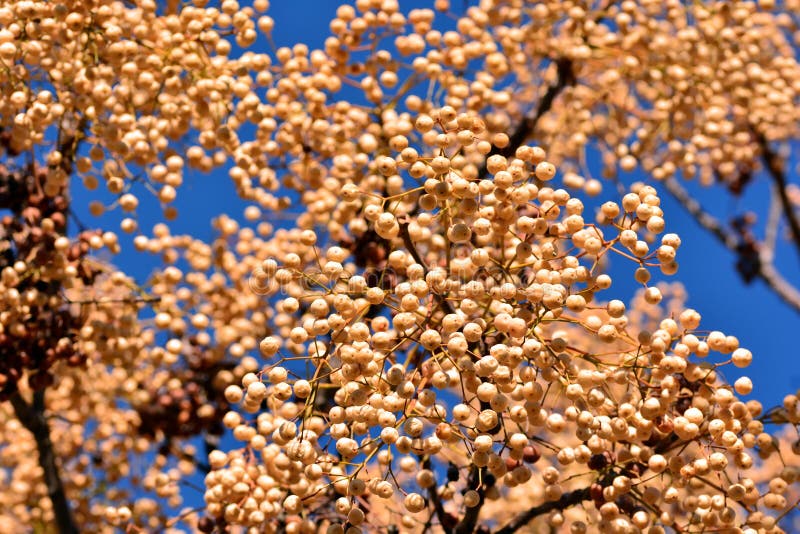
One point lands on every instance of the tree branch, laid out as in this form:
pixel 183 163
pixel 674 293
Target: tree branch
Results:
pixel 760 265
pixel 412 249
pixel 470 520
pixel 568 499
pixel 564 77
pixel 105 300
pixel 786 291
pixel 174 449
pixel 527 127
pixel 771 231
pixel 33 419
pixel 445 520
pixel 703 218
pixel 775 167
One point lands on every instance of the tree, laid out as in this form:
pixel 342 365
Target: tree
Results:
pixel 413 326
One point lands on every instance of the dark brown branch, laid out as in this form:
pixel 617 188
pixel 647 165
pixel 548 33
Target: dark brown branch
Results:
pixel 761 267
pixel 446 521
pixel 124 300
pixel 174 448
pixel 527 128
pixel 564 77
pixel 775 167
pixel 568 499
pixel 412 249
pixel 33 419
pixel 69 141
pixel 470 520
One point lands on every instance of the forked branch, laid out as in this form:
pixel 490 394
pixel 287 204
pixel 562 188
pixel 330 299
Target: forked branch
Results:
pixel 412 249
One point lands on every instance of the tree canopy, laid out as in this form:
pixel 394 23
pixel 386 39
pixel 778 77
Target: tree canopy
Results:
pixel 417 317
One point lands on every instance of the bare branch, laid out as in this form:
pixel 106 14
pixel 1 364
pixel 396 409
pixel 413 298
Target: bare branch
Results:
pixel 527 127
pixel 412 249
pixel 703 218
pixel 760 265
pixel 106 300
pixel 786 291
pixel 481 483
pixel 771 232
pixel 775 167
pixel 568 499
pixel 446 521
pixel 33 419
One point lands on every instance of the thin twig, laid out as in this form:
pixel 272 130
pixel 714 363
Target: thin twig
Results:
pixel 771 232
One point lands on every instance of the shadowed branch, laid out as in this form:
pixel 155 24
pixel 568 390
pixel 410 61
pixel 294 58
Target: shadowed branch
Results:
pixel 527 127
pixel 568 499
pixel 32 417
pixel 775 168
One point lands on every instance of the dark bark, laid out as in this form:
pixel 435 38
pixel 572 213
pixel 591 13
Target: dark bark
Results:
pixel 33 418
pixel 446 521
pixel 776 169
pixel 482 480
pixel 412 249
pixel 568 499
pixel 527 128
